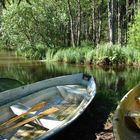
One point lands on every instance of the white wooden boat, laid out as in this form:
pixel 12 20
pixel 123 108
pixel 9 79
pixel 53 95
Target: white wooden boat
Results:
pixel 126 120
pixel 68 97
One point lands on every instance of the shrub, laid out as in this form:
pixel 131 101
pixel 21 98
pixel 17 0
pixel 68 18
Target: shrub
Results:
pixel 134 34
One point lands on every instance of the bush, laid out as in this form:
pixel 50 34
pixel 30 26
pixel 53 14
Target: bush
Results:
pixel 31 25
pixel 134 32
pixel 36 52
pixel 118 56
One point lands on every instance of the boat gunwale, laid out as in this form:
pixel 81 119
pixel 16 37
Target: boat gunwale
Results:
pixel 77 113
pixel 80 109
pixel 27 87
pixel 116 114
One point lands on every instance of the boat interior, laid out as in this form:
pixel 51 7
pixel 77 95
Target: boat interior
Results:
pixel 65 99
pixel 127 116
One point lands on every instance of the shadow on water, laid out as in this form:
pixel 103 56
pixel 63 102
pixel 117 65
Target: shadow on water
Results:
pixel 8 83
pixel 112 84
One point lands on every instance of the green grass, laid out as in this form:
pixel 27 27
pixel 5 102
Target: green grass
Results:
pixel 102 55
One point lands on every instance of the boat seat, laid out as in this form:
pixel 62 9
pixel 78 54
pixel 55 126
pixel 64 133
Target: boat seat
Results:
pixel 47 122
pixel 73 94
pixel 133 118
pixel 138 100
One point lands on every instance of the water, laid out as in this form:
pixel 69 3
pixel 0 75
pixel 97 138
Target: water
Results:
pixel 7 83
pixel 112 84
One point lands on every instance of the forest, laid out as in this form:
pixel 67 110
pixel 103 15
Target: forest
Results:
pixel 102 32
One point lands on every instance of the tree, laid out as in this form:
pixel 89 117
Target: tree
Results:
pixel 111 6
pixel 134 34
pixel 119 24
pixel 71 22
pixel 33 24
pixel 78 23
pixel 66 22
pixel 3 2
pixel 127 16
pixel 94 21
pixel 100 21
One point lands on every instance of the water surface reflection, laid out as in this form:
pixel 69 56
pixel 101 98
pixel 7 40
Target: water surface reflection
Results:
pixel 112 84
pixel 111 81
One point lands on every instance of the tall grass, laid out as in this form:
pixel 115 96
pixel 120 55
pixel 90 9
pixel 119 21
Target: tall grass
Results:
pixel 37 52
pixel 102 54
pixel 132 55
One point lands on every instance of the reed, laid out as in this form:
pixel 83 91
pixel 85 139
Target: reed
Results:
pixel 50 54
pixel 59 56
pixel 132 55
pixel 70 56
pixel 102 54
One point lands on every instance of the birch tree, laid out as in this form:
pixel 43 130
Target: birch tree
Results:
pixel 119 25
pixel 71 22
pixel 94 24
pixel 111 6
pixel 126 27
pixel 78 23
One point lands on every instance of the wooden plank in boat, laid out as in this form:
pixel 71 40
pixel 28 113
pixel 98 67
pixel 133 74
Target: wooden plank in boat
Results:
pixel 12 120
pixel 132 118
pixel 29 131
pixel 137 100
pixel 40 115
pixel 65 110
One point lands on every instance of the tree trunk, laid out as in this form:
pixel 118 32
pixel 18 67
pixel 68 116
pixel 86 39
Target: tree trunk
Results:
pixel 113 21
pixel 1 9
pixel 119 25
pixel 126 30
pixel 138 4
pixel 86 31
pixel 99 22
pixel 69 34
pixel 71 23
pixel 78 23
pixel 111 5
pixel 94 22
pixel 133 10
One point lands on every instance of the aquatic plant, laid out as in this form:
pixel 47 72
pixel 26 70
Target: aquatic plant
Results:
pixel 101 55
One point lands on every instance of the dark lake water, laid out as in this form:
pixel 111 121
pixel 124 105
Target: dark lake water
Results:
pixel 112 83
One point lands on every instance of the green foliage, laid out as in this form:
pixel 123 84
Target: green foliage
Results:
pixel 90 57
pixel 106 54
pixel 36 52
pixel 102 55
pixel 58 56
pixel 32 29
pixel 26 26
pixel 134 32
pixel 70 55
pixel 3 2
pixel 86 43
pixel 50 54
pixel 118 56
pixel 132 55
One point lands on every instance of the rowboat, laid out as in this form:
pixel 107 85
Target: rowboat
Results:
pixel 126 120
pixel 42 109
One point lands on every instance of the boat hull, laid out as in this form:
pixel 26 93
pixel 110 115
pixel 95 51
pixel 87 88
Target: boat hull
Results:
pixel 71 94
pixel 122 128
